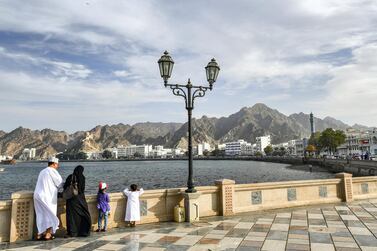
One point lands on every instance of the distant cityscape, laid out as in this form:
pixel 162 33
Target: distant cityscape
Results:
pixel 358 144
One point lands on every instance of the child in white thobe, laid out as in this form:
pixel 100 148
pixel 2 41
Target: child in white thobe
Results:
pixel 133 204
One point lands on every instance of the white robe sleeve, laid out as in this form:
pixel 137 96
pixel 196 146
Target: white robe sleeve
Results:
pixel 141 191
pixel 126 192
pixel 57 179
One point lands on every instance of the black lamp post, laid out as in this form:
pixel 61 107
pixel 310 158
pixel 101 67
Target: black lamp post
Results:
pixel 166 64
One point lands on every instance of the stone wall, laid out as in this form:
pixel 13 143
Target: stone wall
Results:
pixel 225 198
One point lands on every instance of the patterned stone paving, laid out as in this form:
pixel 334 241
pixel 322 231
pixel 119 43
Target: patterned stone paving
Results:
pixel 341 227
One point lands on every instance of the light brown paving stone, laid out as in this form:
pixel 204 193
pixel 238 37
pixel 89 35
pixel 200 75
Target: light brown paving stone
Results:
pixel 321 247
pixel 214 236
pixel 110 247
pixel 219 232
pixel 280 227
pixel 298 241
pixel 283 215
pixel 347 249
pixel 188 240
pixel 363 248
pixel 153 249
pixel 255 238
pixel 349 217
pixel 244 225
pixel 298 236
pixel 315 216
pixel 359 231
pixel 274 245
pixel 346 244
pixel 229 242
pixel 342 239
pixel 169 239
pixel 248 243
pixel 263 234
pixel 204 247
pixel 151 238
pixel 299 223
pixel 74 244
pixel 292 246
pixel 209 241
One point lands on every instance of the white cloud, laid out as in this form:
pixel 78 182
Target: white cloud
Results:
pixel 351 93
pixel 269 47
pixel 122 74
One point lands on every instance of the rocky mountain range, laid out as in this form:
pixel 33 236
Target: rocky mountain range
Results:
pixel 247 124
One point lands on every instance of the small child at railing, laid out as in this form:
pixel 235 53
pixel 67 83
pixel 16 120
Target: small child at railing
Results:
pixel 133 204
pixel 103 206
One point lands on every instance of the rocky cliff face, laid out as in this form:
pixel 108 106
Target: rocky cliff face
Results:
pixel 247 124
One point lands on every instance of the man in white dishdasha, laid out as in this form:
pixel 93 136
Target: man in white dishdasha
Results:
pixel 46 200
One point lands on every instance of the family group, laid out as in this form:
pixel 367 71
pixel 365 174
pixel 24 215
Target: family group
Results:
pixel 78 218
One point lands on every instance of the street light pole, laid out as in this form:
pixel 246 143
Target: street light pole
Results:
pixel 212 70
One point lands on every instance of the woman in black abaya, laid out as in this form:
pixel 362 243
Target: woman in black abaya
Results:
pixel 78 218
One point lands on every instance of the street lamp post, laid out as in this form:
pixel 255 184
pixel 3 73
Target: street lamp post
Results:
pixel 192 92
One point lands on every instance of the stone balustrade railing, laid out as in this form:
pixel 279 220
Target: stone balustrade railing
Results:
pixel 225 198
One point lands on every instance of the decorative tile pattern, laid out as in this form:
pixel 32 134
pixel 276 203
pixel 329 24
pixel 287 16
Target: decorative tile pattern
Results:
pixel 291 194
pixel 22 219
pixel 348 227
pixel 323 191
pixel 143 207
pixel 256 197
pixel 364 188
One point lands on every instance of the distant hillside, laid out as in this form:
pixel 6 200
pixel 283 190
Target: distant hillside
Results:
pixel 248 123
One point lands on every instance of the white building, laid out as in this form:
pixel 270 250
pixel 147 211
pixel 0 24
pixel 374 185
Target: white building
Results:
pixel 28 154
pixel 239 147
pixel 221 147
pixel 262 142
pixel 358 143
pixel 201 148
pixel 134 150
pixel 300 146
pixel 291 149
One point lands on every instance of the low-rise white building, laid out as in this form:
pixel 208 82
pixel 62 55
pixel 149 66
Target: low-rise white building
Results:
pixel 300 145
pixel 359 143
pixel 239 147
pixel 28 154
pixel 134 150
pixel 262 142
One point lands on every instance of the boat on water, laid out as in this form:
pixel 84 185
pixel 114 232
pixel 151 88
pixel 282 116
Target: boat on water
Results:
pixel 8 162
pixel 2 169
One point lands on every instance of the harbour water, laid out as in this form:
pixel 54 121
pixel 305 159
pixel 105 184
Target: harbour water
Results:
pixel 156 174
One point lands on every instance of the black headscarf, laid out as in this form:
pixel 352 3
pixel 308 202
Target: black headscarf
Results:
pixel 80 178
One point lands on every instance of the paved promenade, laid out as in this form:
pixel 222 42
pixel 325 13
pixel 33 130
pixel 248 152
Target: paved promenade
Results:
pixel 341 227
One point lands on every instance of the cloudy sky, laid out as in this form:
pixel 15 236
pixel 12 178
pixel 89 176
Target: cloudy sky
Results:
pixel 71 65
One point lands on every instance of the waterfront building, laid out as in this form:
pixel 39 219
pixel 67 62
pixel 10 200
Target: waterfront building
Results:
pixel 28 154
pixel 201 148
pixel 221 147
pixel 134 150
pixel 262 142
pixel 300 146
pixel 239 147
pixel 358 143
pixel 291 149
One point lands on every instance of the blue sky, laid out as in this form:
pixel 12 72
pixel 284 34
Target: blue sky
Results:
pixel 71 65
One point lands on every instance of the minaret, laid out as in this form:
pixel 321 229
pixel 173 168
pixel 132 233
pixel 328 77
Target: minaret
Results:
pixel 311 123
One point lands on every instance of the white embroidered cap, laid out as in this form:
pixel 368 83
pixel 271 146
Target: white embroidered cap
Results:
pixel 53 159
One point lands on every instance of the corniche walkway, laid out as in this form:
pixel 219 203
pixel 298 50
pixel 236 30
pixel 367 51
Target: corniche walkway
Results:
pixel 341 227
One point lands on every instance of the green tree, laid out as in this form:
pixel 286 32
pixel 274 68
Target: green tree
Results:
pixel 137 155
pixel 81 155
pixel 268 150
pixel 107 154
pixel 331 139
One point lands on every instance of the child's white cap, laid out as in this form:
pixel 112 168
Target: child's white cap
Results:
pixel 102 185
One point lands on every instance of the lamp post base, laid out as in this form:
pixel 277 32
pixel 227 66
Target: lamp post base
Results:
pixel 190 190
pixel 191 206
